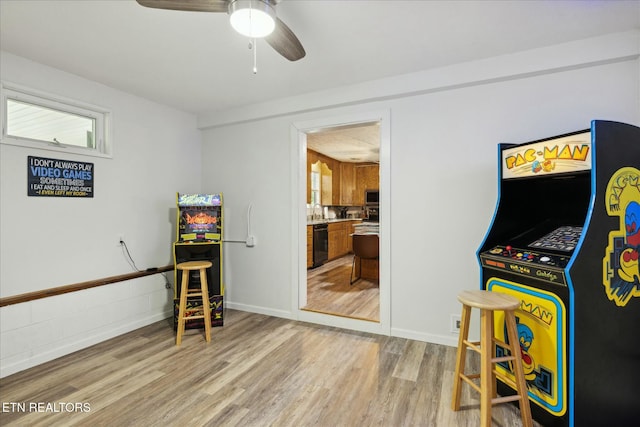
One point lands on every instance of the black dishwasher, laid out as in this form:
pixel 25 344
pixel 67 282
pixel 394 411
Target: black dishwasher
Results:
pixel 320 244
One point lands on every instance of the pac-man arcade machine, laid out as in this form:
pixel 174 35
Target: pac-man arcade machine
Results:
pixel 199 237
pixel 564 239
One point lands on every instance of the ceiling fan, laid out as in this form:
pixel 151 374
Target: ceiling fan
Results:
pixel 252 12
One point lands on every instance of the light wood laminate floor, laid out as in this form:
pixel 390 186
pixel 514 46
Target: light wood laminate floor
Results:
pixel 329 291
pixel 257 371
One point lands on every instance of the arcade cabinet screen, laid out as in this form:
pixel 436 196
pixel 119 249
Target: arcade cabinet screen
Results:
pixel 200 221
pixel 564 239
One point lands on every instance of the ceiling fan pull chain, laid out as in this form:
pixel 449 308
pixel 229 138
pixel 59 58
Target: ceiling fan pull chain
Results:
pixel 255 57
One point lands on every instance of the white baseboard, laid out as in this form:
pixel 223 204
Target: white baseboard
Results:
pixel 260 310
pixel 451 341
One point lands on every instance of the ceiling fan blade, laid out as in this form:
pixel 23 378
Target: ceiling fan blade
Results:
pixel 188 5
pixel 285 42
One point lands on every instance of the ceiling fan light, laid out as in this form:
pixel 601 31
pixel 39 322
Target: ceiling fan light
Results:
pixel 252 18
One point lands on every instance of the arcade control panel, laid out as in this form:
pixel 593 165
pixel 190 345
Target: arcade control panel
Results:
pixel 542 266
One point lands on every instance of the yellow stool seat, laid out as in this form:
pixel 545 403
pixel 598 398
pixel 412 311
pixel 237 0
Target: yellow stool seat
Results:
pixel 488 302
pixel 185 292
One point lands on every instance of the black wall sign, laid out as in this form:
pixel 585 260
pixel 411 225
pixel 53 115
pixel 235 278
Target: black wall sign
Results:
pixel 59 178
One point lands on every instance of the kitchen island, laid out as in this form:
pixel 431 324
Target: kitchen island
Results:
pixel 367 268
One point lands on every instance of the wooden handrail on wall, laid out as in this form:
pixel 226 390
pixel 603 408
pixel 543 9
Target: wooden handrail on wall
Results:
pixel 30 296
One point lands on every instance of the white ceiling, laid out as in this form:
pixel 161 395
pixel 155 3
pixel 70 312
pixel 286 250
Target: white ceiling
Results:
pixel 359 143
pixel 196 62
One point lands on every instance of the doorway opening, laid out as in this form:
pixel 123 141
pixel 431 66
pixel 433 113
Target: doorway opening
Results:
pixel 342 168
pixel 354 155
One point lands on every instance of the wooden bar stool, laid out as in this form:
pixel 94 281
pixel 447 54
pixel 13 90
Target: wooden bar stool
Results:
pixel 488 302
pixel 186 268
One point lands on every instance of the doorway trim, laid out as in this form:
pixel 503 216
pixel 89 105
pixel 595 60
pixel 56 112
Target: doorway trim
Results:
pixel 298 137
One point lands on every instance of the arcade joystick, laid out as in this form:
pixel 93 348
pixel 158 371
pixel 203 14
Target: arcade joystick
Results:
pixel 508 248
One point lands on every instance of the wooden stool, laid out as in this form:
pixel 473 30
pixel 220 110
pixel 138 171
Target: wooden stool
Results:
pixel 488 302
pixel 186 267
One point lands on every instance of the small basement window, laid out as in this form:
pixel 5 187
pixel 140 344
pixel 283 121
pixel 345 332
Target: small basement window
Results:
pixel 36 120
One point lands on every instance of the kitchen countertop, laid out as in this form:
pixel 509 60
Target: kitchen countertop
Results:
pixel 331 220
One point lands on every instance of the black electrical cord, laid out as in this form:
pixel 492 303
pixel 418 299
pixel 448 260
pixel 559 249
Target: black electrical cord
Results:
pixel 167 282
pixel 133 265
pixel 128 256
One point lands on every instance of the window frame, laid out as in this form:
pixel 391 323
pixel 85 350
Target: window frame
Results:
pixel 101 116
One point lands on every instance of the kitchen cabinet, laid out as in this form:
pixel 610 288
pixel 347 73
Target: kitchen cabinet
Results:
pixel 347 184
pixel 341 183
pixel 367 177
pixel 309 246
pixel 340 242
pixel 337 239
pixel 337 180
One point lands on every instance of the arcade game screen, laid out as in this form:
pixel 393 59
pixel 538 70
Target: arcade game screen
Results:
pixel 200 220
pixel 564 239
pixel 552 236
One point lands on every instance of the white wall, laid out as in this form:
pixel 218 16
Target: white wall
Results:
pixel 49 242
pixel 250 164
pixel 445 127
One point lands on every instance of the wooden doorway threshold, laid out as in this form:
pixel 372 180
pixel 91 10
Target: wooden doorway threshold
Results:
pixel 339 315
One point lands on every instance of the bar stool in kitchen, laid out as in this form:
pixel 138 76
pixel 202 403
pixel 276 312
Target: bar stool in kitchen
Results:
pixel 488 302
pixel 186 292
